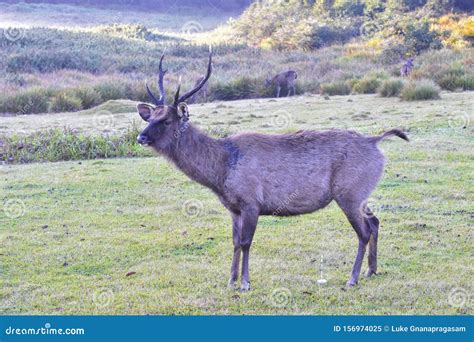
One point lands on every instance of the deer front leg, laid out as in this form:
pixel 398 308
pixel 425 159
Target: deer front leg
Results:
pixel 234 270
pixel 278 91
pixel 249 224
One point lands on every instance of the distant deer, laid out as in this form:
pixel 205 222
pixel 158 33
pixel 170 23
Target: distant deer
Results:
pixel 282 175
pixel 407 66
pixel 283 79
pixel 202 93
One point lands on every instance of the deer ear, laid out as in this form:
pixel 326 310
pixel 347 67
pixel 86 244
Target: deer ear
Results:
pixel 145 111
pixel 183 111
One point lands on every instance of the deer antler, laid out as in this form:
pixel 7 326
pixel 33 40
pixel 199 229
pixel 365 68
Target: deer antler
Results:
pixel 179 99
pixel 159 101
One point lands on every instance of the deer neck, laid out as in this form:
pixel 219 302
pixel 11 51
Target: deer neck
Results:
pixel 199 156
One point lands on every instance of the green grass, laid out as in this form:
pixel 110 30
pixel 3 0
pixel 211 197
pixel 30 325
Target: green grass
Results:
pixel 85 225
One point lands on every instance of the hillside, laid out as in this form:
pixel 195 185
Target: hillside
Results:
pixel 88 56
pixel 410 26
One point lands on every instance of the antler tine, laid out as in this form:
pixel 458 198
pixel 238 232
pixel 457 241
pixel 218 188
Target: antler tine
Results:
pixel 152 96
pixel 176 95
pixel 201 84
pixel 161 74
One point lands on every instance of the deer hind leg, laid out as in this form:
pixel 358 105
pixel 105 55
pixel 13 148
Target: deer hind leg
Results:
pixel 354 214
pixel 373 223
pixel 236 231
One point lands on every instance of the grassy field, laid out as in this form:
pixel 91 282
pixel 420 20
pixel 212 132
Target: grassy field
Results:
pixel 135 236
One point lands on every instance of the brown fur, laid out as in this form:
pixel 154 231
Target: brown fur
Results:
pixel 284 79
pixel 288 174
pixel 283 175
pixel 407 67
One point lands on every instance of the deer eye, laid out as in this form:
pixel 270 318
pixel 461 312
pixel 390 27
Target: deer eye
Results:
pixel 167 123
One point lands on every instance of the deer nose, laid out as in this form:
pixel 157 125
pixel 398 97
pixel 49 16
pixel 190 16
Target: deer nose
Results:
pixel 142 139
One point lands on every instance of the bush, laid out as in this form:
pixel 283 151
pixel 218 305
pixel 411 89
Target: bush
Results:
pixel 466 82
pixel 418 37
pixel 89 97
pixel 110 91
pixel 454 77
pixel 390 87
pixel 67 144
pixel 420 90
pixel 240 88
pixel 65 102
pixel 336 88
pixel 328 35
pixel 367 85
pixel 450 78
pixel 33 100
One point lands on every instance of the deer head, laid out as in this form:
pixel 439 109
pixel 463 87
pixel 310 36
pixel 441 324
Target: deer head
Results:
pixel 165 121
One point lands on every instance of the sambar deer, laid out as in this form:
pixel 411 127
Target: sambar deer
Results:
pixel 284 79
pixel 407 66
pixel 258 174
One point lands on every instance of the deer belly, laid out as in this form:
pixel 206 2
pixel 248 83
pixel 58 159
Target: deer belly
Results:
pixel 299 201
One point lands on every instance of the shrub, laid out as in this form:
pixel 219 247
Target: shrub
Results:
pixel 336 88
pixel 418 37
pixel 327 35
pixel 89 97
pixel 110 91
pixel 466 82
pixel 390 87
pixel 449 78
pixel 33 100
pixel 67 144
pixel 366 85
pixel 240 88
pixel 420 90
pixel 65 102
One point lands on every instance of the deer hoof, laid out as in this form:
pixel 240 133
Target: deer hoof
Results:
pixel 351 283
pixel 370 273
pixel 232 284
pixel 245 286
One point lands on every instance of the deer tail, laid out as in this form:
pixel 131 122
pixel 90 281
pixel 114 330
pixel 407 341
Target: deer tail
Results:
pixel 296 75
pixel 398 132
